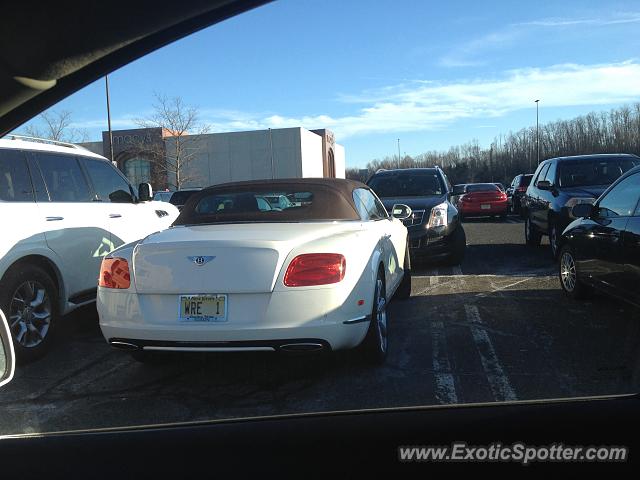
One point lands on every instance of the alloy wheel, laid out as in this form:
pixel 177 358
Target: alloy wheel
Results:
pixel 568 272
pixel 30 314
pixel 381 315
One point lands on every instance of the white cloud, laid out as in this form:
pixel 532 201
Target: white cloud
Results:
pixel 429 105
pixel 618 19
pixel 468 54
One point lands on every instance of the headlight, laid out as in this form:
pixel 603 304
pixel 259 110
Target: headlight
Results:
pixel 438 217
pixel 572 202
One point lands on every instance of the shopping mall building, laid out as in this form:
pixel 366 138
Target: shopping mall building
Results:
pixel 149 155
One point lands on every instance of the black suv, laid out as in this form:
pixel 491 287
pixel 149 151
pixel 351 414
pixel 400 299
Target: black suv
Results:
pixel 435 231
pixel 517 190
pixel 561 183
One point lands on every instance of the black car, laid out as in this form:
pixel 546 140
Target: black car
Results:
pixel 517 190
pixel 435 231
pixel 561 183
pixel 601 249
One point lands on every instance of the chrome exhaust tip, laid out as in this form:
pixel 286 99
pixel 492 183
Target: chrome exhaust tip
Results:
pixel 301 347
pixel 122 345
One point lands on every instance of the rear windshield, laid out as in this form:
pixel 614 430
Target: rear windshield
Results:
pixel 482 187
pixel 180 198
pixel 297 204
pixel 525 180
pixel 407 185
pixel 593 171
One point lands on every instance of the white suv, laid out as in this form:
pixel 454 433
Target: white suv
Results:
pixel 63 209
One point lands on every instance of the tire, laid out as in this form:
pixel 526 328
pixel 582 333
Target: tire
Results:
pixel 459 241
pixel 553 239
pixel 515 207
pixel 32 326
pixel 568 274
pixel 375 344
pixel 531 235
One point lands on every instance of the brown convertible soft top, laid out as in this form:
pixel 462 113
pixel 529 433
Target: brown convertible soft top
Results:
pixel 332 200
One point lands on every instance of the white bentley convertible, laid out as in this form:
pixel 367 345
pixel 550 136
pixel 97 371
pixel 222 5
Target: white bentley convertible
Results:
pixel 237 272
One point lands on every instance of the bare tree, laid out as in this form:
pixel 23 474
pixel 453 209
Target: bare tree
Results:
pixel 57 125
pixel 182 127
pixel 616 131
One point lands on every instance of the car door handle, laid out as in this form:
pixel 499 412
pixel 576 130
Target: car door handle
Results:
pixel 115 215
pixel 54 219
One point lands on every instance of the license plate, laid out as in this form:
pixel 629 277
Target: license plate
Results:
pixel 485 207
pixel 203 308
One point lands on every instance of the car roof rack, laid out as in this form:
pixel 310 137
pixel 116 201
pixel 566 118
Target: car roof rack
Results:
pixel 26 138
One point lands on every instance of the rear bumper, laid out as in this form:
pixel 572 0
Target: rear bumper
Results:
pixel 287 345
pixel 495 208
pixel 255 321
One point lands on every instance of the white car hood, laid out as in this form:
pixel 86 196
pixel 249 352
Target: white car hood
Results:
pixel 242 258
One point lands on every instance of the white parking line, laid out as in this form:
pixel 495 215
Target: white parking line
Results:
pixel 496 376
pixel 445 385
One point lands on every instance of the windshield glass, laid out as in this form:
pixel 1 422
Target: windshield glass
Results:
pixel 482 187
pixel 416 184
pixel 597 171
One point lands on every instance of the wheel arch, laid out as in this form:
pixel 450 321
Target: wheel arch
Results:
pixel 49 267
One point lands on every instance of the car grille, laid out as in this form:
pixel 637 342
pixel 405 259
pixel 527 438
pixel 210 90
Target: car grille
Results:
pixel 415 219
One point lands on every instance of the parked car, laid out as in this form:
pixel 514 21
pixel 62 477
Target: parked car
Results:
pixel 162 196
pixel 517 190
pixel 229 276
pixel 601 249
pixel 561 183
pixel 177 198
pixel 482 199
pixel 67 208
pixel 435 231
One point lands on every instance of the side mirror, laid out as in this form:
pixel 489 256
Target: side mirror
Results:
pixel 145 192
pixel 401 211
pixel 582 210
pixel 544 185
pixel 7 354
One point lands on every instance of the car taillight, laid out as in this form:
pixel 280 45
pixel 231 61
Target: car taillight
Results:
pixel 114 273
pixel 466 198
pixel 503 196
pixel 315 269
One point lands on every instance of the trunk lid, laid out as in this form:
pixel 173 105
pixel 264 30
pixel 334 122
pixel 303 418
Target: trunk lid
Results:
pixel 224 258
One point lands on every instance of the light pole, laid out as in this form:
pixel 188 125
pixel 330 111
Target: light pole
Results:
pixel 537 133
pixel 398 153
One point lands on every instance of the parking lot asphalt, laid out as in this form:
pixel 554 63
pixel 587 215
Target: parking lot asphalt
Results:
pixel 497 328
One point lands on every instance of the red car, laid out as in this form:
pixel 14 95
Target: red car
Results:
pixel 482 199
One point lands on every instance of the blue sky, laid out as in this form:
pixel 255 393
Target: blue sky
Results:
pixel 433 74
